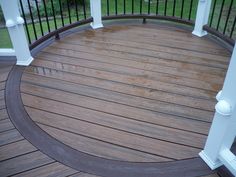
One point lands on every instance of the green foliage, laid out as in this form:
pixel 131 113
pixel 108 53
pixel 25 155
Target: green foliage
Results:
pixel 56 5
pixel 1 16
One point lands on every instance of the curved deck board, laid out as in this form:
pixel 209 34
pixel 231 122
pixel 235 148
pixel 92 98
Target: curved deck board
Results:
pixel 80 101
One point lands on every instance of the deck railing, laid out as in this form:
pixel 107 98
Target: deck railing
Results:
pixel 51 17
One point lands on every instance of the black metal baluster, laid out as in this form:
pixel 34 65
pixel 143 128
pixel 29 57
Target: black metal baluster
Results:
pixel 157 7
pixel 40 22
pixel 132 6
pixel 116 9
pixel 62 19
pixel 174 5
pixel 46 14
pixel 124 6
pixel 190 10
pixel 76 10
pixel 54 16
pixel 221 10
pixel 68 7
pixel 84 8
pixel 232 30
pixel 32 20
pixel 213 12
pixel 182 9
pixel 227 18
pixel 141 5
pixel 165 7
pixel 149 6
pixel 26 24
pixel 108 7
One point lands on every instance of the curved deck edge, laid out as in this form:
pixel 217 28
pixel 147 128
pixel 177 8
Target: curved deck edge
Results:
pixel 82 161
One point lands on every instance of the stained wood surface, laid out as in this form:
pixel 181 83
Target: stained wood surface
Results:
pixel 18 157
pixel 132 93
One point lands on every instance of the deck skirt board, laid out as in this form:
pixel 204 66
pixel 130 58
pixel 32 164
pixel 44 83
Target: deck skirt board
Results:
pixel 103 103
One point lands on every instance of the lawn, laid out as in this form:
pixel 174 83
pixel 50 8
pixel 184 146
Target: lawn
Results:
pixel 127 8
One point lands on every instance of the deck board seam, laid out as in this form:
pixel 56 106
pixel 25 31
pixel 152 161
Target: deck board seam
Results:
pixel 123 83
pixel 63 90
pixel 146 70
pixel 149 56
pixel 107 141
pixel 125 118
pixel 104 49
pixel 121 131
pixel 16 156
pixel 157 44
pixel 73 73
pixel 125 74
pixel 185 117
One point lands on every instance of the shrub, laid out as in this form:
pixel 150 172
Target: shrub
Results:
pixel 56 7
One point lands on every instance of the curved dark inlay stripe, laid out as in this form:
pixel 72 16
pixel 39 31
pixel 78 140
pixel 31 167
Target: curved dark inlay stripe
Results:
pixel 82 161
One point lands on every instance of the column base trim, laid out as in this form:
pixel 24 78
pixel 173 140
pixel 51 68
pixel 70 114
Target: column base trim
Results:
pixel 213 165
pixel 96 26
pixel 25 62
pixel 199 34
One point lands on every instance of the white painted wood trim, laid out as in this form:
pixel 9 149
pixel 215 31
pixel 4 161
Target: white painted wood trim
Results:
pixel 7 52
pixel 14 23
pixel 222 133
pixel 96 13
pixel 202 17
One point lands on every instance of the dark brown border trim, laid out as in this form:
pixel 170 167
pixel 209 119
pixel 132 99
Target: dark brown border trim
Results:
pixel 219 35
pixel 58 31
pixel 145 16
pixel 82 161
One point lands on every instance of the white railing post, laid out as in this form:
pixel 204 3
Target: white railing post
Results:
pixel 223 130
pixel 96 13
pixel 14 23
pixel 202 17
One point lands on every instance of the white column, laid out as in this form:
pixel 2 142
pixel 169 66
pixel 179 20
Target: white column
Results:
pixel 96 13
pixel 222 132
pixel 202 17
pixel 14 23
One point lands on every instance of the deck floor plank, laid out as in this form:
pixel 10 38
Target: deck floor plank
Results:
pixel 10 136
pixel 54 169
pixel 17 155
pixel 100 148
pixel 122 138
pixel 23 163
pixel 6 125
pixel 15 149
pixel 3 114
pixel 109 89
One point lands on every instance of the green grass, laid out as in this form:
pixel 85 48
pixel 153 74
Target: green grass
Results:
pixel 5 40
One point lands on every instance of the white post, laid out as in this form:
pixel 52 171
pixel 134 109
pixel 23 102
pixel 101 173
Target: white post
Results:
pixel 223 132
pixel 14 23
pixel 96 13
pixel 202 17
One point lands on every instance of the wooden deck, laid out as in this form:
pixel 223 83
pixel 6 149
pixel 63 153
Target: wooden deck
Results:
pixel 137 93
pixel 18 157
